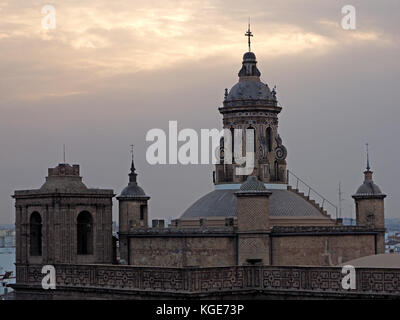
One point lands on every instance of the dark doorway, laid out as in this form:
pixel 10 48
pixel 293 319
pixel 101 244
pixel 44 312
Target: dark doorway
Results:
pixel 85 233
pixel 35 234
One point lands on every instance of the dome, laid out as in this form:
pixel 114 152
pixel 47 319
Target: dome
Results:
pixel 132 190
pixel 64 178
pixel 249 86
pixel 249 56
pixel 368 188
pixel 223 203
pixel 252 184
pixel 63 184
pixel 249 90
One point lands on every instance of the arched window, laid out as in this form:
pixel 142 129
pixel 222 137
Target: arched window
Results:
pixel 84 233
pixel 35 234
pixel 276 169
pixel 269 139
pixel 255 139
pixel 233 144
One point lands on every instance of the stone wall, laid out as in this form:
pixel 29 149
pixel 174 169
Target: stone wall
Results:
pixel 110 281
pixel 370 212
pixel 182 251
pixel 321 250
pixel 324 246
pixel 59 227
pixel 211 247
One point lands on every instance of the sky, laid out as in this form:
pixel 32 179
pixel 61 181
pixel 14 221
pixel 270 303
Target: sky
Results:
pixel 111 71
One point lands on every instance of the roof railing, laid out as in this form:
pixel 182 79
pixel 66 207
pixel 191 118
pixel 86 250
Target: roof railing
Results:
pixel 311 193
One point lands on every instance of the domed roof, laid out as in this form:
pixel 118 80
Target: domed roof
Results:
pixel 252 184
pixel 249 56
pixel 249 86
pixel 64 178
pixel 223 203
pixel 132 190
pixel 249 90
pixel 63 184
pixel 368 188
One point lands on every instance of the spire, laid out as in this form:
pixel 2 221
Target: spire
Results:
pixel 132 191
pixel 132 174
pixel 132 164
pixel 368 167
pixel 368 172
pixel 248 34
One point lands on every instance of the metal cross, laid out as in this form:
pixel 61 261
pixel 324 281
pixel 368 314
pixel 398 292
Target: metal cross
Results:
pixel 249 34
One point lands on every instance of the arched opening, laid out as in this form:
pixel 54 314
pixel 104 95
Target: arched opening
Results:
pixel 233 144
pixel 35 234
pixel 221 150
pixel 84 233
pixel 254 140
pixel 276 169
pixel 269 139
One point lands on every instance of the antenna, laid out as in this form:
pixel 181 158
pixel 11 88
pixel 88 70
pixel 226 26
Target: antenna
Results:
pixel 64 152
pixel 367 157
pixel 340 200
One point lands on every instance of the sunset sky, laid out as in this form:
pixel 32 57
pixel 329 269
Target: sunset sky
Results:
pixel 112 70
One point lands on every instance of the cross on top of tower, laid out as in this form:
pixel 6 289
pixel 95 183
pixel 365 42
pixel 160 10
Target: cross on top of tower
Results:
pixel 248 34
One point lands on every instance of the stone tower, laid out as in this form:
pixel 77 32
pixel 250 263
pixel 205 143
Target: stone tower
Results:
pixel 369 202
pixel 63 221
pixel 370 212
pixel 133 212
pixel 253 222
pixel 250 104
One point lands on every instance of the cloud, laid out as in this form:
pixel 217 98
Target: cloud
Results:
pixel 112 69
pixel 94 42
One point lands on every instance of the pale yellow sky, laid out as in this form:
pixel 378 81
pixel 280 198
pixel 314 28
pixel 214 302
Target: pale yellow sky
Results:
pixel 99 39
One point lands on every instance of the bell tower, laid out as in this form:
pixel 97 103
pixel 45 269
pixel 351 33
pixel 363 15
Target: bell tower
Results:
pixel 63 221
pixel 251 105
pixel 133 211
pixel 370 212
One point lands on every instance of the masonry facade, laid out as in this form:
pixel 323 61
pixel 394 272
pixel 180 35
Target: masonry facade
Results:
pixel 251 220
pixel 235 282
pixel 63 221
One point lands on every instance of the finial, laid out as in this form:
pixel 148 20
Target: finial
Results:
pixel 226 93
pixel 132 164
pixel 273 92
pixel 64 152
pixel 249 34
pixel 368 167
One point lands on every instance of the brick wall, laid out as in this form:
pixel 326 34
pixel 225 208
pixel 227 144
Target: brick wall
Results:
pixel 322 250
pixel 182 251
